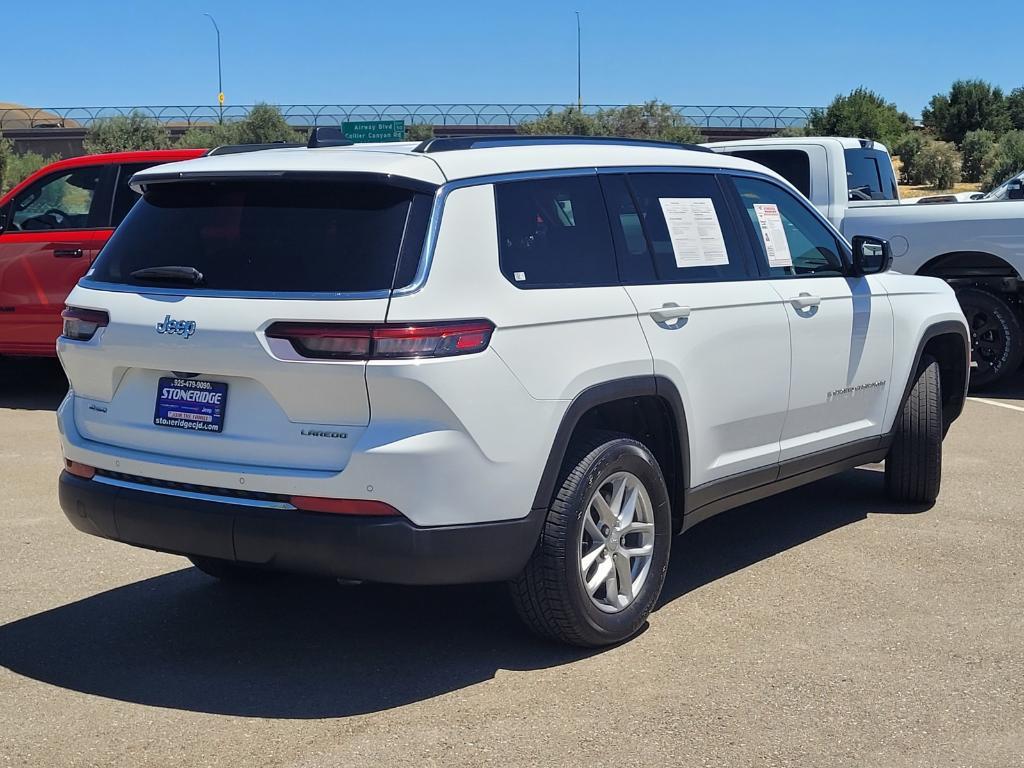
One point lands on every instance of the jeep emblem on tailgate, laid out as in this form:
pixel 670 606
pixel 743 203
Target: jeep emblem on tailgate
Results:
pixel 181 327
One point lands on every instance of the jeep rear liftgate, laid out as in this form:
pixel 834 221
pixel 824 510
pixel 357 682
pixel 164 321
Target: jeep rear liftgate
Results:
pixel 193 281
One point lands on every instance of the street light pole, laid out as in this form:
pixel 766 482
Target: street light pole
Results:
pixel 220 82
pixel 579 65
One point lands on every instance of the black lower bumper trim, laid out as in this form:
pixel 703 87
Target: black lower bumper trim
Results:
pixel 379 549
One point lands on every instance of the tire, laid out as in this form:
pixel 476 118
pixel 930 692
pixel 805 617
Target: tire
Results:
pixel 227 571
pixel 913 468
pixel 997 340
pixel 550 594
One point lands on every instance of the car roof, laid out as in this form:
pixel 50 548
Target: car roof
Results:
pixel 402 159
pixel 845 142
pixel 109 158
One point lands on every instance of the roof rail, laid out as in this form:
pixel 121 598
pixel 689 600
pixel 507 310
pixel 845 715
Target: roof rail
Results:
pixel 451 143
pixel 235 149
pixel 327 136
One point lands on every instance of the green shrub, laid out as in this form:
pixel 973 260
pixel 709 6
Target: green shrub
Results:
pixel 862 114
pixel 1006 160
pixel 419 131
pixel 125 133
pixel 208 136
pixel 794 131
pixel 977 151
pixel 18 167
pixel 6 149
pixel 938 165
pixel 907 147
pixel 651 120
pixel 263 125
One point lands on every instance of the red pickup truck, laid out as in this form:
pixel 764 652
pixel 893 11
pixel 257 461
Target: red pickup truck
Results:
pixel 52 225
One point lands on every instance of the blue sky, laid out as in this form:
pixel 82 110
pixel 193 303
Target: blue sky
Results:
pixel 793 52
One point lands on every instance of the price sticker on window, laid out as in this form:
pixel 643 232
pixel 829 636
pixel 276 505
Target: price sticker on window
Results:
pixel 773 234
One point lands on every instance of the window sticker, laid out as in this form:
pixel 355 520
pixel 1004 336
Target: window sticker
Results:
pixel 773 233
pixel 695 231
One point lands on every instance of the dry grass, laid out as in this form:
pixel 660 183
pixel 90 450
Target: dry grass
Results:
pixel 907 190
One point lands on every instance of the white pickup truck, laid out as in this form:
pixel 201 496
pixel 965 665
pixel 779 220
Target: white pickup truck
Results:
pixel 978 249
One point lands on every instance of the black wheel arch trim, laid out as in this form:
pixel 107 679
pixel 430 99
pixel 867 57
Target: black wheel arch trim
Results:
pixel 943 328
pixel 608 392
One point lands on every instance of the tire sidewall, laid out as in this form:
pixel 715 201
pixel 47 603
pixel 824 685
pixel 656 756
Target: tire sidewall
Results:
pixel 619 456
pixel 1003 314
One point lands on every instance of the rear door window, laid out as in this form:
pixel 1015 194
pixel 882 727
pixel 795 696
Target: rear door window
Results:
pixel 269 236
pixel 554 233
pixel 688 228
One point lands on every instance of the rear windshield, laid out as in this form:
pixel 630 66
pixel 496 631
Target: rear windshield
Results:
pixel 791 164
pixel 269 236
pixel 869 175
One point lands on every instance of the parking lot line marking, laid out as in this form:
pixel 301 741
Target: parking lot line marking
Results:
pixel 996 402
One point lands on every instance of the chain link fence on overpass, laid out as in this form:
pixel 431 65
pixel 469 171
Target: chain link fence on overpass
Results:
pixel 305 115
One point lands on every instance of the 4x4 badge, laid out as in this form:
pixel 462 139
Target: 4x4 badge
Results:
pixel 181 327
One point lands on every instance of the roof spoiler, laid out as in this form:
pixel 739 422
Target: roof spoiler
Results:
pixel 237 149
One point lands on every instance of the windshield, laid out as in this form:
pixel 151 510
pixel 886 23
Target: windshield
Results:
pixel 1002 191
pixel 268 236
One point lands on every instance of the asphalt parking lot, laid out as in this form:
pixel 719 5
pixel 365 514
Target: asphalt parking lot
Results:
pixel 822 627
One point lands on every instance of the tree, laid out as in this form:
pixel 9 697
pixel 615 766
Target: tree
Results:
pixel 1007 159
pixel 977 150
pixel 650 120
pixel 1015 108
pixel 907 147
pixel 863 114
pixel 125 133
pixel 938 165
pixel 970 105
pixel 263 125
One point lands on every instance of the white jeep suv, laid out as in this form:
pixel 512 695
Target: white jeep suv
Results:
pixel 522 359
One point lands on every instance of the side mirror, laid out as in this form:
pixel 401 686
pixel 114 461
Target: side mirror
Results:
pixel 871 255
pixel 1015 190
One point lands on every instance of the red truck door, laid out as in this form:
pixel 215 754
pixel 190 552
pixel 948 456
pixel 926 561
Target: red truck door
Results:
pixel 53 230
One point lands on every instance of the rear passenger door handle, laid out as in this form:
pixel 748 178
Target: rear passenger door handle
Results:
pixel 668 312
pixel 68 253
pixel 805 301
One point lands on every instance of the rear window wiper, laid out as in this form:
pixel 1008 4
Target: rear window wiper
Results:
pixel 170 274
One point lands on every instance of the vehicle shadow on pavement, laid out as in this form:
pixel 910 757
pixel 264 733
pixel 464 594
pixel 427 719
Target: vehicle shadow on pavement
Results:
pixel 1010 388
pixel 311 649
pixel 34 384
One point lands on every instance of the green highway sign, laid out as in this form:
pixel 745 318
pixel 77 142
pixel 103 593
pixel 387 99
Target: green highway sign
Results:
pixel 367 131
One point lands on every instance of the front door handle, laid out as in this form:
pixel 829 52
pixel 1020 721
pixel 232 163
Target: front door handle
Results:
pixel 805 301
pixel 669 311
pixel 68 253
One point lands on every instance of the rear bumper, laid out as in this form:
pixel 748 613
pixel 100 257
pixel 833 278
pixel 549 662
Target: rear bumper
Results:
pixel 389 550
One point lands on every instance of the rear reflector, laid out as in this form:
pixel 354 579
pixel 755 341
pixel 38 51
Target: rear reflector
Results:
pixel 336 341
pixel 82 324
pixel 344 506
pixel 79 470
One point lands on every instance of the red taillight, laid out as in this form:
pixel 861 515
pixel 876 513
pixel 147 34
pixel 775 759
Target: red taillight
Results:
pixel 82 324
pixel 344 506
pixel 384 342
pixel 79 470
